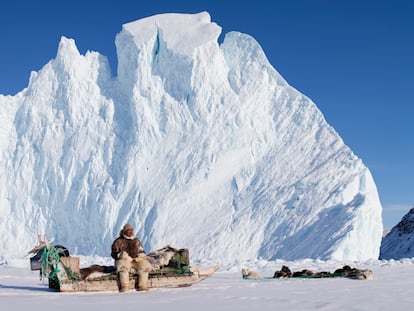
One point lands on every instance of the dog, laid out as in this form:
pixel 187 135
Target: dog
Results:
pixel 251 275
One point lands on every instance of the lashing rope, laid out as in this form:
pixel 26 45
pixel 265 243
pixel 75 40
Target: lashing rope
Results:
pixel 50 262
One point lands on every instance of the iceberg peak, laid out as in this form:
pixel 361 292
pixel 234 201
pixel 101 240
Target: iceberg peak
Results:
pixel 182 33
pixel 68 56
pixel 67 48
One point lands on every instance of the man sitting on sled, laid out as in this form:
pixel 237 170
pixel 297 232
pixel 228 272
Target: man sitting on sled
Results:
pixel 129 255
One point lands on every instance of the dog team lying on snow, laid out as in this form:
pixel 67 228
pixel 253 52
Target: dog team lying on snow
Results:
pixel 345 271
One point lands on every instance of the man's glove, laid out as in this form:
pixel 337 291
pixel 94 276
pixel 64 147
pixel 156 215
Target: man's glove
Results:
pixel 123 255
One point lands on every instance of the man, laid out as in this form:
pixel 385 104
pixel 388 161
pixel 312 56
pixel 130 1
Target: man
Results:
pixel 127 242
pixel 129 255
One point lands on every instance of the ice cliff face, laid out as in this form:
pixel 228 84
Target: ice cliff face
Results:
pixel 399 243
pixel 196 144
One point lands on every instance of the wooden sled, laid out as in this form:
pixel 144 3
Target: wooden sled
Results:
pixel 65 275
pixel 64 280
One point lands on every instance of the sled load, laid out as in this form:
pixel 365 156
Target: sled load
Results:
pixel 170 268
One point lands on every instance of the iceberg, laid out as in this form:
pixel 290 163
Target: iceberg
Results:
pixel 197 144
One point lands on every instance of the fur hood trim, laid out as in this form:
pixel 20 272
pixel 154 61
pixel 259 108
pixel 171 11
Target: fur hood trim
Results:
pixel 129 237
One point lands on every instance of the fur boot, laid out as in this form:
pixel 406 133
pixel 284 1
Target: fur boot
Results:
pixel 123 266
pixel 143 266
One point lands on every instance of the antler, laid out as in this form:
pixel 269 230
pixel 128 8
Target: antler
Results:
pixel 42 242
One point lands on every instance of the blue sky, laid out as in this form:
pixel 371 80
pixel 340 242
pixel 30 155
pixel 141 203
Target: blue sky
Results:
pixel 354 59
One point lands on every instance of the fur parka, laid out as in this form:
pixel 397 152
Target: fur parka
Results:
pixel 132 246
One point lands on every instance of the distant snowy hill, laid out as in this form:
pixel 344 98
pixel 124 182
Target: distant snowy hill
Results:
pixel 196 144
pixel 399 243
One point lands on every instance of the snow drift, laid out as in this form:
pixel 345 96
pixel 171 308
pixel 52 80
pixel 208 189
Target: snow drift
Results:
pixel 196 144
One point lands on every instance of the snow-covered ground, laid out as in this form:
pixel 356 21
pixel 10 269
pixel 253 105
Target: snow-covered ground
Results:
pixel 391 289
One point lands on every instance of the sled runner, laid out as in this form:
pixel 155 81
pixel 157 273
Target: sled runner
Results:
pixel 65 275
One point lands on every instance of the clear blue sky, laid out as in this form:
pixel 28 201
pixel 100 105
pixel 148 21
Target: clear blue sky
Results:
pixel 354 59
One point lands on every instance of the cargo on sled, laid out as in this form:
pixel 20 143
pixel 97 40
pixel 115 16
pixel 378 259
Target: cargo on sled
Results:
pixel 65 275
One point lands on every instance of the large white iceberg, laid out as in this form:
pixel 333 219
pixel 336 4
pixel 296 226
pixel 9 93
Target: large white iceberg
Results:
pixel 196 144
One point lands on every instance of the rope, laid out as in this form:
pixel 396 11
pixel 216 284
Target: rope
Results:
pixel 50 260
pixel 166 270
pixel 70 274
pixel 265 279
pixel 320 276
